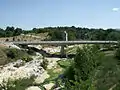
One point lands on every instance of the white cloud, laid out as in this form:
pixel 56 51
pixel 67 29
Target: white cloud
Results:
pixel 115 9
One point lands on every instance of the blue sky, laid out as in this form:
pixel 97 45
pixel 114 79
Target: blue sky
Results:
pixel 28 14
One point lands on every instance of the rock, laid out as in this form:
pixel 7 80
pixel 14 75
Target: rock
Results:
pixel 52 62
pixel 29 69
pixel 41 78
pixel 33 88
pixel 52 50
pixel 19 63
pixel 48 86
pixel 36 46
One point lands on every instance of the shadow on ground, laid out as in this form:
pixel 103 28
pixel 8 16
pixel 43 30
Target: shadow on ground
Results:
pixel 46 54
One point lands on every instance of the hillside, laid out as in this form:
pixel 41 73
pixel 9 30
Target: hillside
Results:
pixel 27 37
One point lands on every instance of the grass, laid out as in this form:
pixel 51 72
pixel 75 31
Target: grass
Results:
pixel 20 84
pixel 108 73
pixel 11 54
pixel 64 63
pixel 54 74
pixel 71 50
pixel 3 57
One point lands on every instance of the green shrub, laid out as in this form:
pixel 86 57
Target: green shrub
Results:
pixel 27 58
pixel 64 63
pixel 20 84
pixel 12 53
pixel 31 52
pixel 44 64
pixel 117 53
pixel 86 60
pixel 3 57
pixel 15 54
pixel 79 75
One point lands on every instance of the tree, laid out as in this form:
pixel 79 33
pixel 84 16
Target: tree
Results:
pixel 2 33
pixel 17 31
pixel 9 31
pixel 113 36
pixel 83 69
pixel 86 61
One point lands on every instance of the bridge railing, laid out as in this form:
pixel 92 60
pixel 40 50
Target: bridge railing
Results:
pixel 61 42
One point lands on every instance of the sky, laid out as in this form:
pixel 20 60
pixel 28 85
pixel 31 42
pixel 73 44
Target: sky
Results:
pixel 28 14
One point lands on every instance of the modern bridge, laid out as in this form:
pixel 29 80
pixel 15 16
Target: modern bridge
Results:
pixel 60 42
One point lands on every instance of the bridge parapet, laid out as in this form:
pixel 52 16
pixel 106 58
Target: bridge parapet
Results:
pixel 62 42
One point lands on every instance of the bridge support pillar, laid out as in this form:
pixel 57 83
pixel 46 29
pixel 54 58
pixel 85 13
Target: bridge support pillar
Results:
pixel 62 51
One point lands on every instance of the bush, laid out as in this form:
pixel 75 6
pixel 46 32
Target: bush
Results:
pixel 31 52
pixel 12 53
pixel 44 64
pixel 16 54
pixel 27 58
pixel 86 60
pixel 117 53
pixel 20 84
pixel 79 75
pixel 3 57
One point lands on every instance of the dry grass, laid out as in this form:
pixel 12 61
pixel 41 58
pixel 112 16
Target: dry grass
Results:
pixel 3 57
pixel 28 37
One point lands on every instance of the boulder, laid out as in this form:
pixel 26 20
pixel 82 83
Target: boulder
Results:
pixel 48 86
pixel 52 62
pixel 33 88
pixel 29 69
pixel 41 78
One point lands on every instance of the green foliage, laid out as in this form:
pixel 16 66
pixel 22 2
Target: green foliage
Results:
pixel 64 63
pixel 44 64
pixel 56 35
pixel 80 75
pixel 69 72
pixel 83 85
pixel 10 31
pixel 86 60
pixel 74 33
pixel 12 53
pixel 31 52
pixel 20 84
pixel 113 36
pixel 3 57
pixel 107 75
pixel 27 58
pixel 117 54
pixel 15 54
pixel 92 70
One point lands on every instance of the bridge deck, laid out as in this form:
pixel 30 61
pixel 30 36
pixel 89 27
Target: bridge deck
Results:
pixel 61 42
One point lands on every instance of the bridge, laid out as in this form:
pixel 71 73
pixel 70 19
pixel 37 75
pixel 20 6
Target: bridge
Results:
pixel 60 42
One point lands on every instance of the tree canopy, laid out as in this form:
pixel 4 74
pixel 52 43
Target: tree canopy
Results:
pixel 74 33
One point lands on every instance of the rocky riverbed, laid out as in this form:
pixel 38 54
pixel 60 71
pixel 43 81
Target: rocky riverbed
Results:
pixel 25 70
pixel 20 70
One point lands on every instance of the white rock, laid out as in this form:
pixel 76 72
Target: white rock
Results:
pixel 33 88
pixel 29 69
pixel 48 86
pixel 40 79
pixel 52 62
pixel 52 50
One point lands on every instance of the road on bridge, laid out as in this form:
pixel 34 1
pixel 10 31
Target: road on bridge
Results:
pixel 61 42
